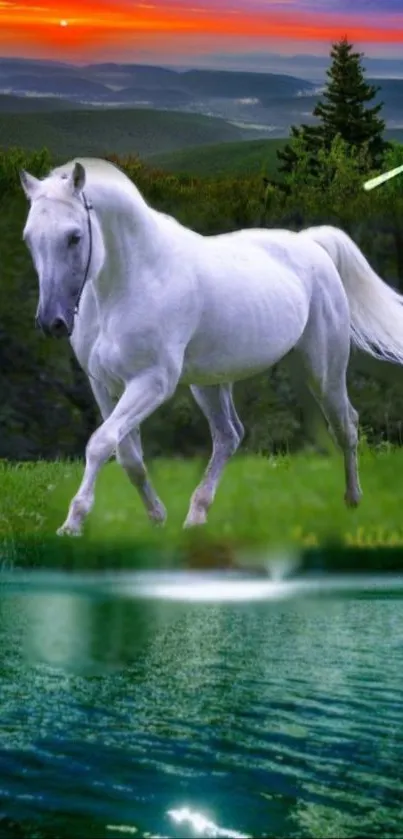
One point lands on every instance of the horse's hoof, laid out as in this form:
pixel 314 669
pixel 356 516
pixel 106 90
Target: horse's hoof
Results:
pixel 352 500
pixel 195 520
pixel 67 530
pixel 158 516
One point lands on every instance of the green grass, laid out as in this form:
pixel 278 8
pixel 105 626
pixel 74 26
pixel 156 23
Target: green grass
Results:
pixel 123 132
pixel 277 502
pixel 248 157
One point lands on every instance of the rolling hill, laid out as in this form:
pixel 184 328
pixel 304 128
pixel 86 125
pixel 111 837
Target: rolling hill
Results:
pixel 122 132
pixel 259 104
pixel 102 80
pixel 235 159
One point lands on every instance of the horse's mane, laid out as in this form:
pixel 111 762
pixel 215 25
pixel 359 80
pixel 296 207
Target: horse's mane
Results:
pixel 105 183
pixel 109 188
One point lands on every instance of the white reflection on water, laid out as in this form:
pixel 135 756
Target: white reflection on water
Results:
pixel 203 826
pixel 202 590
pixel 206 589
pixel 195 821
pixel 196 586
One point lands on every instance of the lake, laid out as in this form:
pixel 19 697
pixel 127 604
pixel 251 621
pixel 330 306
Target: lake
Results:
pixel 204 705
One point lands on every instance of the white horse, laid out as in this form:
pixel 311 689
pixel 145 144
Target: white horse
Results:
pixel 161 304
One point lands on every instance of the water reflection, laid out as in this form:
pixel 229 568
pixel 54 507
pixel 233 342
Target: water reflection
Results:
pixel 172 717
pixel 199 824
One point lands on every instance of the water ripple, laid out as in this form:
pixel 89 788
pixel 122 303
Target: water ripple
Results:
pixel 202 719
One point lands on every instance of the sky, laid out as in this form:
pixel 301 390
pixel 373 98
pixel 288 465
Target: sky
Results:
pixel 207 33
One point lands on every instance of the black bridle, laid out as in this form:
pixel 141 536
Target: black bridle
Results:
pixel 88 207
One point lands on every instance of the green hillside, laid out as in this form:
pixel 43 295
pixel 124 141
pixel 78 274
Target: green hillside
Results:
pixel 251 157
pixel 177 142
pixel 121 132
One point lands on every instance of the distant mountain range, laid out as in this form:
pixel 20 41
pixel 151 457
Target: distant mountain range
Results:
pixel 264 103
pixel 312 67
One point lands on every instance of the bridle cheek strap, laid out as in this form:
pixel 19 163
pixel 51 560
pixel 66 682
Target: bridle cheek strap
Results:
pixel 88 207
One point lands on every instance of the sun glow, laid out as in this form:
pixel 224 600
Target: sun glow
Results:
pixel 116 25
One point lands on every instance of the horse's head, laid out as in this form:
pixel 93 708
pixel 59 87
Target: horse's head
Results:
pixel 65 242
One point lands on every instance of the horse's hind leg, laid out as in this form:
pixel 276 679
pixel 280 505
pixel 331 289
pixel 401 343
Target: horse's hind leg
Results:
pixel 324 351
pixel 129 455
pixel 227 433
pixel 343 421
pixel 233 414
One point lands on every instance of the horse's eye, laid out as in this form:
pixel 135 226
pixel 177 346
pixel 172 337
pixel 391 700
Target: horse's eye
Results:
pixel 74 239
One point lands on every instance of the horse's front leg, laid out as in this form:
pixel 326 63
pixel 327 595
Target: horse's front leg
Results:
pixel 142 396
pixel 129 455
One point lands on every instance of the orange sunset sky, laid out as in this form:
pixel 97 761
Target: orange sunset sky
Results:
pixel 175 32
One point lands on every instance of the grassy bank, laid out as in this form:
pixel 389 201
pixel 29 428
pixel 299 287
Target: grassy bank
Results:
pixel 264 502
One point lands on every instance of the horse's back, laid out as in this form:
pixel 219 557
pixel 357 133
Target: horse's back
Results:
pixel 299 254
pixel 307 259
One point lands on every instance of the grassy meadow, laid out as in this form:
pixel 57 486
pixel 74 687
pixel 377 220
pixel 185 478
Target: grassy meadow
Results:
pixel 262 503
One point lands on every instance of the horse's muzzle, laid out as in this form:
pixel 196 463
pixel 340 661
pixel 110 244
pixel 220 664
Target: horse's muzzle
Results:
pixel 57 328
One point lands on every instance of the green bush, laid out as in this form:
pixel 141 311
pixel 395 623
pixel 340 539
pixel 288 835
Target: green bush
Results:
pixel 37 162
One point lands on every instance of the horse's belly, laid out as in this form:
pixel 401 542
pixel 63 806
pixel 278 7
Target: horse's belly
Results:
pixel 213 368
pixel 237 357
pixel 237 344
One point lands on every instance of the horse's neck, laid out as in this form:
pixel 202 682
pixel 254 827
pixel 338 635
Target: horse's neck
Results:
pixel 129 236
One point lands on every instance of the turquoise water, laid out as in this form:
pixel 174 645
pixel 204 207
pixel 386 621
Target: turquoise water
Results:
pixel 200 706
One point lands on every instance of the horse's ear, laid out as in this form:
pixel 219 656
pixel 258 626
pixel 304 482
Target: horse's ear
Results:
pixel 77 177
pixel 29 184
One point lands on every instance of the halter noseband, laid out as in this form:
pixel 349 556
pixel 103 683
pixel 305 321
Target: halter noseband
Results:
pixel 88 207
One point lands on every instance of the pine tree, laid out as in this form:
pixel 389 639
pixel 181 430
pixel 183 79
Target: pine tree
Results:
pixel 343 111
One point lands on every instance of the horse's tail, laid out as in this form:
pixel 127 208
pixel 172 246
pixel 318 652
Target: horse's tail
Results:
pixel 376 309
